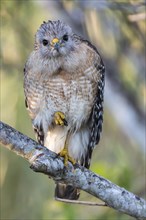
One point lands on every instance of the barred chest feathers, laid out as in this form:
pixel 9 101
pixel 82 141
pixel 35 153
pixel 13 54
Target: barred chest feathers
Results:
pixel 64 85
pixel 61 85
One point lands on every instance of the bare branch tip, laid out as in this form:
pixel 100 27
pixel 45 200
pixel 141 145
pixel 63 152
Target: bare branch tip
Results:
pixel 79 202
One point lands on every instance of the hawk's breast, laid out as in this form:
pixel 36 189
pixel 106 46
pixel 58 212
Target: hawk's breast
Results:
pixel 73 97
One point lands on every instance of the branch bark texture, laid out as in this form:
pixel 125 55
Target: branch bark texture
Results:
pixel 47 162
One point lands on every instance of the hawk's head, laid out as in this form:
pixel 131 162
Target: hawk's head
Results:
pixel 55 38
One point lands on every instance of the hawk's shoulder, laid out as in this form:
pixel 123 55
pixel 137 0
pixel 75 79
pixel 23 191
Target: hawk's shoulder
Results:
pixel 87 43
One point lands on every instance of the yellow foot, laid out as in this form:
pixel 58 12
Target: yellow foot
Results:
pixel 59 119
pixel 64 153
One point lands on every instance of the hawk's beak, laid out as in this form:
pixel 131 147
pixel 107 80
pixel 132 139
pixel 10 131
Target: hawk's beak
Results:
pixel 55 40
pixel 55 43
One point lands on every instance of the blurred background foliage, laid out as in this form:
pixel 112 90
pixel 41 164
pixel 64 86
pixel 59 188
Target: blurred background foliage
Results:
pixel 118 29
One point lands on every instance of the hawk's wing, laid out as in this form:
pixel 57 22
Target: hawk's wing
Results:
pixel 37 129
pixel 96 117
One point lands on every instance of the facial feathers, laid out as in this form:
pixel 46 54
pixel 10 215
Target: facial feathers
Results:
pixel 51 30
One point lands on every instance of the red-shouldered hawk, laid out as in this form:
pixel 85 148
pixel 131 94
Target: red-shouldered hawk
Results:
pixel 64 85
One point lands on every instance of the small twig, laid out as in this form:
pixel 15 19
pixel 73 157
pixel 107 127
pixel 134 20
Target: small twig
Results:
pixel 80 202
pixel 137 17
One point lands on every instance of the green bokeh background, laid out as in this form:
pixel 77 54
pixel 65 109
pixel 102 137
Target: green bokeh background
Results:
pixel 25 194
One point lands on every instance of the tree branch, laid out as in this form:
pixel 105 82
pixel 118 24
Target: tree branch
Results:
pixel 47 162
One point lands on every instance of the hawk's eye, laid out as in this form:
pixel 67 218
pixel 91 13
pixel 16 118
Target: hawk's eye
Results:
pixel 45 42
pixel 65 37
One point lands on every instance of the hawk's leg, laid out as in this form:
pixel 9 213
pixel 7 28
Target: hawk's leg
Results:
pixel 64 153
pixel 59 119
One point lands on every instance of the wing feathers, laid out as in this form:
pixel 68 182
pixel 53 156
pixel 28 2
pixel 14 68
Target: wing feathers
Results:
pixel 39 134
pixel 96 117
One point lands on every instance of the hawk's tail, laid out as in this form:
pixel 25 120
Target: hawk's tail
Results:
pixel 64 191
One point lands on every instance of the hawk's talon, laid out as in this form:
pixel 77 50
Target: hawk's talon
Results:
pixel 59 119
pixel 64 154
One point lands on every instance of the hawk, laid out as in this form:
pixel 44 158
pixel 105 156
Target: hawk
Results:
pixel 64 88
